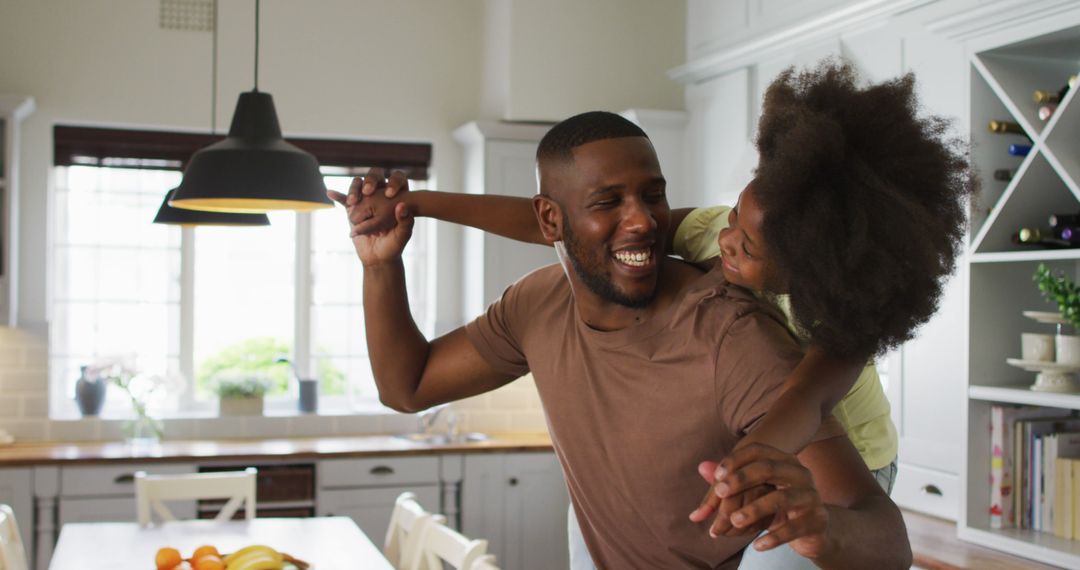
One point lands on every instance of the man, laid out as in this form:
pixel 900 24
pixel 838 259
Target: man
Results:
pixel 645 366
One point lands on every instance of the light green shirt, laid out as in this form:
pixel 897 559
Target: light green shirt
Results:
pixel 864 411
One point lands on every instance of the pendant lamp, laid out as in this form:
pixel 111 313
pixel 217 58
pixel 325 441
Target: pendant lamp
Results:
pixel 253 170
pixel 189 218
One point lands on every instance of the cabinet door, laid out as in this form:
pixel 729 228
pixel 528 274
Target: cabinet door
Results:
pixel 16 490
pixel 518 503
pixel 370 508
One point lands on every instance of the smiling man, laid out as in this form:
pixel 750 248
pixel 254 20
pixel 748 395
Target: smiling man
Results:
pixel 645 367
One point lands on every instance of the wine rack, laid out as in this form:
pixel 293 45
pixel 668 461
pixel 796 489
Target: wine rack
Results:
pixel 1003 78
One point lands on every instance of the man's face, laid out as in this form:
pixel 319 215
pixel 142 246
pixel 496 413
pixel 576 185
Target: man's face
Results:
pixel 615 217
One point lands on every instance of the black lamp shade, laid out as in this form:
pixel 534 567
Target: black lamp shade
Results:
pixel 188 218
pixel 253 170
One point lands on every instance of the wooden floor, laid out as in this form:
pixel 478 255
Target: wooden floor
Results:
pixel 935 546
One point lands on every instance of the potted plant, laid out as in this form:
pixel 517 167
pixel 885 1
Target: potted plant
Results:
pixel 240 396
pixel 1066 294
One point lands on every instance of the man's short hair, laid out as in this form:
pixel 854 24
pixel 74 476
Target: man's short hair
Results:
pixel 560 141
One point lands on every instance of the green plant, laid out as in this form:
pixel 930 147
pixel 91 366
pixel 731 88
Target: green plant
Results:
pixel 241 388
pixel 1061 290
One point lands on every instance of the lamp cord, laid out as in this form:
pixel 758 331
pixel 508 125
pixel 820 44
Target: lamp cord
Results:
pixel 213 77
pixel 256 45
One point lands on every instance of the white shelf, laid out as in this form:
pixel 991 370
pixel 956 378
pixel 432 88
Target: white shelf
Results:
pixel 1026 256
pixel 1007 66
pixel 1023 395
pixel 1039 546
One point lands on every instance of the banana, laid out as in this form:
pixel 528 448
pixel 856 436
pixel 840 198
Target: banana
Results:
pixel 257 561
pixel 228 560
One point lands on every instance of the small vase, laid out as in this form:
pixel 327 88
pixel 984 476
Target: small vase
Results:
pixel 143 430
pixel 90 394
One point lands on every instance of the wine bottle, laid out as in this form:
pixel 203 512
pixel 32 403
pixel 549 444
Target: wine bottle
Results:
pixel 1070 234
pixel 1046 111
pixel 1003 174
pixel 1042 97
pixel 1019 149
pixel 1002 127
pixel 1063 220
pixel 1036 236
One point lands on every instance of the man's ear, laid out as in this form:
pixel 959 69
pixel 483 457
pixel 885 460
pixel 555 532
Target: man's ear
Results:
pixel 549 216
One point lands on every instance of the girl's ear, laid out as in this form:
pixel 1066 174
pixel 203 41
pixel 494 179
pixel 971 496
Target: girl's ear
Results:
pixel 549 215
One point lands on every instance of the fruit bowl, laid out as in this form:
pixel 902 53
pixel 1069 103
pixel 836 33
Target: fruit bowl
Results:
pixel 254 557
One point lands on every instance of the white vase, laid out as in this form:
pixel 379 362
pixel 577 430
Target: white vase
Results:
pixel 240 406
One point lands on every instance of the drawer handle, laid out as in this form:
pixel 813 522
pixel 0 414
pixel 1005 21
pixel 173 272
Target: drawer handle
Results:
pixel 513 481
pixel 382 470
pixel 932 490
pixel 125 479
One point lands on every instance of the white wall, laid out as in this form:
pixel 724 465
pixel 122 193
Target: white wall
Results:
pixel 410 70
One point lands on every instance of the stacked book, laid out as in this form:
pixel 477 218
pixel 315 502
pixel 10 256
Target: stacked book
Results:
pixel 1035 470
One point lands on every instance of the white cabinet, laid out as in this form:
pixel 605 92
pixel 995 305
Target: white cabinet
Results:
pixel 500 158
pixel 518 503
pixel 17 491
pixel 365 489
pixel 13 110
pixel 107 493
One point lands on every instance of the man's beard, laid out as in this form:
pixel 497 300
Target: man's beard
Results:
pixel 589 271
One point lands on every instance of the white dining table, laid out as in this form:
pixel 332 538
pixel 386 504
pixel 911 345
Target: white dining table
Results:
pixel 327 543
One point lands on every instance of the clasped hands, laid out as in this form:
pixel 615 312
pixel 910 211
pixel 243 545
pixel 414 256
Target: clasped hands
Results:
pixel 379 228
pixel 758 487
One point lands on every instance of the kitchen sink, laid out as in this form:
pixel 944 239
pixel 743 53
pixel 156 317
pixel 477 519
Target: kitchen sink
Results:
pixel 444 439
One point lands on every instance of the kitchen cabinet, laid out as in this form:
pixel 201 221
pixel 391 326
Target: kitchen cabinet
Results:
pixel 500 158
pixel 13 110
pixel 518 503
pixel 16 490
pixel 107 493
pixel 364 489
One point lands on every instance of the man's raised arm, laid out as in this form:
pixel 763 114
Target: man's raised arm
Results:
pixel 411 373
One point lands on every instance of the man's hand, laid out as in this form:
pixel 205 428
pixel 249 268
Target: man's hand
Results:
pixel 791 504
pixel 724 508
pixel 383 241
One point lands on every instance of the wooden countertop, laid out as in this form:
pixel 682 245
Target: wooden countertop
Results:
pixel 59 453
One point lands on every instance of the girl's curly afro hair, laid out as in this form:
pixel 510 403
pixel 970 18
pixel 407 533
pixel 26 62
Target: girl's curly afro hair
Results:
pixel 864 204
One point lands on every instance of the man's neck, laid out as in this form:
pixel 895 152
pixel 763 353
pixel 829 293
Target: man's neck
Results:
pixel 604 315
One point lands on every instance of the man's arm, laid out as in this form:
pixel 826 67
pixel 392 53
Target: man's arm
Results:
pixel 825 504
pixel 411 373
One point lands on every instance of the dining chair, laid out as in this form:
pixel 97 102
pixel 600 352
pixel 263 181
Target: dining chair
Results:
pixel 151 491
pixel 406 522
pixel 439 544
pixel 12 553
pixel 485 562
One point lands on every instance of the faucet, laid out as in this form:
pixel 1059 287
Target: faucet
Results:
pixel 428 417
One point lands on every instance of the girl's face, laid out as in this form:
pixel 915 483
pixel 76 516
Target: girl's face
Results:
pixel 743 252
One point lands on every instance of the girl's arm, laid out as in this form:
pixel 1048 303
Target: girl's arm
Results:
pixel 507 216
pixel 810 393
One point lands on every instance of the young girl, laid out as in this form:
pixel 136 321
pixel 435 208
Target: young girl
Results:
pixel 851 226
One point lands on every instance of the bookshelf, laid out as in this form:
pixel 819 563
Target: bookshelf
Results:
pixel 1006 67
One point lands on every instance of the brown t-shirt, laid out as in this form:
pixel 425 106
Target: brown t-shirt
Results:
pixel 632 412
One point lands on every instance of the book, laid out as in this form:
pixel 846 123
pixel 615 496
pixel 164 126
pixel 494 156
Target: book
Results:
pixel 1075 498
pixel 1004 466
pixel 1063 499
pixel 1028 465
pixel 1005 460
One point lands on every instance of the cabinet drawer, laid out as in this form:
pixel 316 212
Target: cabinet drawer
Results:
pixel 111 480
pixel 928 491
pixel 386 471
pixel 370 509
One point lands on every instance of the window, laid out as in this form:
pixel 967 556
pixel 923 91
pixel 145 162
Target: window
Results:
pixel 195 304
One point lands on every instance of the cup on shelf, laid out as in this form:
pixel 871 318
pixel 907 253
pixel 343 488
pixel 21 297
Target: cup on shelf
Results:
pixel 1037 347
pixel 1068 348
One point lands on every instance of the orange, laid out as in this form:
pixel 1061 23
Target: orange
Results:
pixel 209 562
pixel 167 558
pixel 204 550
